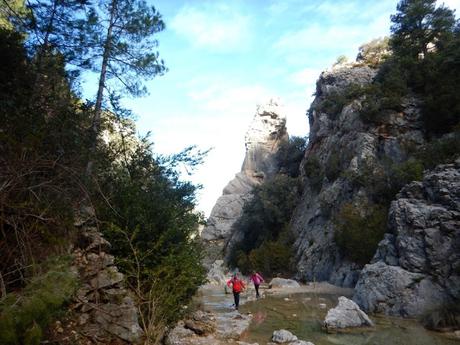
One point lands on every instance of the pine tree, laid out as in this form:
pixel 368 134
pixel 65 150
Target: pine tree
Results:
pixel 418 24
pixel 123 48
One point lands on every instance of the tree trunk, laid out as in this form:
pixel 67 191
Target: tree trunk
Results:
pixel 100 91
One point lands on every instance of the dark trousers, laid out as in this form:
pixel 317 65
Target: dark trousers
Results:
pixel 257 290
pixel 236 296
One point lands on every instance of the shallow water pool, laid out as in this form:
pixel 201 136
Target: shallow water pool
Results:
pixel 303 314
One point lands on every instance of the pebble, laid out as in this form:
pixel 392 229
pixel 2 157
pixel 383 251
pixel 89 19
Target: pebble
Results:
pixel 322 306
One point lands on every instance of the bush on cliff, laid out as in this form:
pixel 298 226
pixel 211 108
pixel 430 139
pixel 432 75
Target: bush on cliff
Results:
pixel 374 52
pixel 290 154
pixel 25 316
pixel 359 230
pixel 314 172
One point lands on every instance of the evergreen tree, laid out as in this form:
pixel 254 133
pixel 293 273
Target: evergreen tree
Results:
pixel 56 26
pixel 418 24
pixel 123 42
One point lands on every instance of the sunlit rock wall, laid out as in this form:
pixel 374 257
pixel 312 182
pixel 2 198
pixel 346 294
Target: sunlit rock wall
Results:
pixel 266 132
pixel 344 145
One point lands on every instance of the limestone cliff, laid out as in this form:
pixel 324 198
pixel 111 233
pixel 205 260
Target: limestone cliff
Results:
pixel 266 132
pixel 417 266
pixel 342 145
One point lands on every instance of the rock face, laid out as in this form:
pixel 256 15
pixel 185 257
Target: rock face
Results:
pixel 216 274
pixel 342 145
pixel 417 268
pixel 346 315
pixel 266 132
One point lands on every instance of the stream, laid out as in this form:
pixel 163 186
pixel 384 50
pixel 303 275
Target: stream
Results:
pixel 302 313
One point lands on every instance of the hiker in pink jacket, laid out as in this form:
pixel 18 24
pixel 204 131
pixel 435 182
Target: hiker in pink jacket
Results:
pixel 256 279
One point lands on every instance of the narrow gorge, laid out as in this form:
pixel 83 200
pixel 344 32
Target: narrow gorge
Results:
pixel 341 226
pixel 360 221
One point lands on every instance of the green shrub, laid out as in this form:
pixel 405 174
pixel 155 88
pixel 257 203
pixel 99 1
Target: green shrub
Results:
pixel 33 335
pixel 358 231
pixel 314 171
pixel 265 218
pixel 406 172
pixel 384 180
pixel 335 100
pixel 271 258
pixel 440 151
pixel 333 166
pixel 445 318
pixel 243 262
pixel 290 154
pixel 150 224
pixel 385 93
pixel 341 60
pixel 24 316
pixel 332 104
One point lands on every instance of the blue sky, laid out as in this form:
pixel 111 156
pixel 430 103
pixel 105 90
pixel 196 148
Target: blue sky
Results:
pixel 225 57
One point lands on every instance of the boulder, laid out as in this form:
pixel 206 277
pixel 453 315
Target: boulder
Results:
pixel 346 315
pixel 201 323
pixel 119 319
pixel 283 283
pixel 283 336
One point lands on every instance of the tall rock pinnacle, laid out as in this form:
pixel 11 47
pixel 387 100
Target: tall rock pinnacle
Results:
pixel 266 132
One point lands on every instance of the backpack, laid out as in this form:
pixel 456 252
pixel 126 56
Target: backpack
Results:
pixel 237 286
pixel 256 279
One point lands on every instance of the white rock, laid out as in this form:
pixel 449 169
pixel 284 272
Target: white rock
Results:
pixel 346 314
pixel 283 283
pixel 283 336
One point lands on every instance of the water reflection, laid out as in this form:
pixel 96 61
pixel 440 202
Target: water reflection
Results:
pixel 303 315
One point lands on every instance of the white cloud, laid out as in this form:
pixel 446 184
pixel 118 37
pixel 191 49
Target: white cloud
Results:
pixel 313 40
pixel 452 4
pixel 306 76
pixel 217 27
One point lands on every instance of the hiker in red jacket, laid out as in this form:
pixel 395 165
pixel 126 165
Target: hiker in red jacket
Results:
pixel 256 279
pixel 237 287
